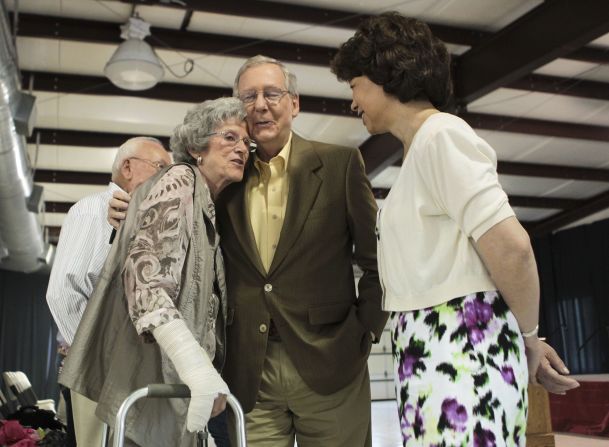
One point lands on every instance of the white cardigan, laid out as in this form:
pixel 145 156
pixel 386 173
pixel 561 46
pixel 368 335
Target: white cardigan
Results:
pixel 447 193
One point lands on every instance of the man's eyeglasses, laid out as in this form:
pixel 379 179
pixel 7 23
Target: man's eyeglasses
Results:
pixel 271 96
pixel 233 139
pixel 158 165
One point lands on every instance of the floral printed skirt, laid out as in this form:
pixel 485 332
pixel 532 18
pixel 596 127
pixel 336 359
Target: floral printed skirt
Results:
pixel 461 374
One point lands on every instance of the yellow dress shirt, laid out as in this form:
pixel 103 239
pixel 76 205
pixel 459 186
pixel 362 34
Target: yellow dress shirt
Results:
pixel 267 195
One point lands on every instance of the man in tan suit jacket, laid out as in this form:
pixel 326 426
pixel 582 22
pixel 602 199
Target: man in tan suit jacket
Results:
pixel 298 334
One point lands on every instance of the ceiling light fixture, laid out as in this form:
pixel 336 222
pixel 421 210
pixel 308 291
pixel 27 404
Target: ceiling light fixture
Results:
pixel 134 65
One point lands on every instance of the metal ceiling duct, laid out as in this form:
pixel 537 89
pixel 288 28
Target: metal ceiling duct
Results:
pixel 22 244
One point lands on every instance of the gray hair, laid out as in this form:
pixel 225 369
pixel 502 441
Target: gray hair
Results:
pixel 200 121
pixel 290 78
pixel 127 150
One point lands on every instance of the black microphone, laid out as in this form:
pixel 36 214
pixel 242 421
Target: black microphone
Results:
pixel 112 236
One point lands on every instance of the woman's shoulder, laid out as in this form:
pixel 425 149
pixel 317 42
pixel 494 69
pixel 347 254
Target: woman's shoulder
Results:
pixel 178 177
pixel 181 173
pixel 443 123
pixel 442 134
pixel 176 182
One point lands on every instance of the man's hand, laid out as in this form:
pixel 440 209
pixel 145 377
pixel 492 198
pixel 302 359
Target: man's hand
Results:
pixel 552 372
pixel 117 208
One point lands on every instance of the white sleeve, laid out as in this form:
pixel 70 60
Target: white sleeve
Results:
pixel 460 170
pixel 80 256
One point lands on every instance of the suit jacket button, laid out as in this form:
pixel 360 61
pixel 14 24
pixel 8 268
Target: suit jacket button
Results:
pixel 263 327
pixel 268 288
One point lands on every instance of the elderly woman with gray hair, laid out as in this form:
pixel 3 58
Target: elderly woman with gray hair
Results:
pixel 166 261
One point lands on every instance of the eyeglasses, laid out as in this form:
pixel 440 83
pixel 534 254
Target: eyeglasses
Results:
pixel 158 165
pixel 233 139
pixel 271 96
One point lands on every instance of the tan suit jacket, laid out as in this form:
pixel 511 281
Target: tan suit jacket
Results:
pixel 309 290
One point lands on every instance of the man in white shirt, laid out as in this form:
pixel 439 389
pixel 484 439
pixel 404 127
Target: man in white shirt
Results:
pixel 81 252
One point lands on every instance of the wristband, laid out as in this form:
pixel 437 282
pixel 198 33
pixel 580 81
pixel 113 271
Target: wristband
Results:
pixel 531 333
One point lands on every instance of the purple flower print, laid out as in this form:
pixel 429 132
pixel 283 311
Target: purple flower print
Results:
pixel 454 415
pixel 508 374
pixel 404 422
pixel 402 319
pixel 483 438
pixel 407 366
pixel 411 422
pixel 476 314
pixel 410 359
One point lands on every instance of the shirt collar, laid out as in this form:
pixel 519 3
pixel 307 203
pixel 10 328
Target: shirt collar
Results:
pixel 280 160
pixel 112 187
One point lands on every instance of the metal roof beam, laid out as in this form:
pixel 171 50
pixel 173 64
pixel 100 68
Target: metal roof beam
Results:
pixel 562 86
pixel 553 29
pixel 71 177
pixel 310 15
pixel 95 85
pixel 57 207
pixel 549 171
pixel 65 137
pixel 380 151
pixel 521 201
pixel 588 207
pixel 536 126
pixel 32 25
pixel 553 171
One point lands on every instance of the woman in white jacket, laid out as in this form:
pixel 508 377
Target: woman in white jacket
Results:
pixel 456 266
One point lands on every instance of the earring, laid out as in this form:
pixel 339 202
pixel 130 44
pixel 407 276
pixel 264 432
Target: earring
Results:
pixel 199 160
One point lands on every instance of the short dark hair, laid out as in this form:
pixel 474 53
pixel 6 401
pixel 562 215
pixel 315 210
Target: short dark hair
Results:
pixel 401 55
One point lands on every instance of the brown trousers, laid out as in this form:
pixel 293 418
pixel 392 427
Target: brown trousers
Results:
pixel 287 409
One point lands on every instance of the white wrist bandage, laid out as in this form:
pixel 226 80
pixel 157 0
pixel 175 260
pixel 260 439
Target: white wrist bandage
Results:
pixel 194 367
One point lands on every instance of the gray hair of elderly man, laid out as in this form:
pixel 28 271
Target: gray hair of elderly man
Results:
pixel 128 150
pixel 290 78
pixel 199 123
